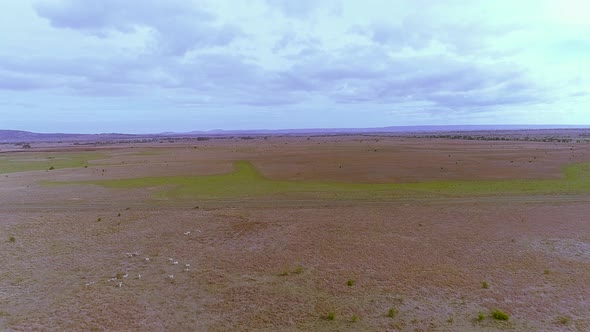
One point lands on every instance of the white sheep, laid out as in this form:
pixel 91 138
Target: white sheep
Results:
pixel 147 259
pixel 187 233
pixel 171 276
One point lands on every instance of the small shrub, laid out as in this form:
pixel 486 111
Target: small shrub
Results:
pixel 563 320
pixel 298 270
pixel 99 219
pixel 499 315
pixel 480 317
pixel 119 275
pixel 350 283
pixel 392 312
pixel 485 285
pixel 51 168
pixel 547 272
pixel 354 318
pixel 11 239
pixel 450 320
pixel 330 316
pixel 119 214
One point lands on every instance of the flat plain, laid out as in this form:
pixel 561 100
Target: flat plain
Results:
pixel 328 233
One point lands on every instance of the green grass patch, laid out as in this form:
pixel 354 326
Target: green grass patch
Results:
pixel 246 181
pixel 25 162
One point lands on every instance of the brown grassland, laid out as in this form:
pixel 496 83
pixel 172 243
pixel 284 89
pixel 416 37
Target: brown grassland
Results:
pixel 297 240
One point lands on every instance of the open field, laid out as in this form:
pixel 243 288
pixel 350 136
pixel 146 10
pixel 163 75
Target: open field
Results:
pixel 333 233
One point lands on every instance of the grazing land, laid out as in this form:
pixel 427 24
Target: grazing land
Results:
pixel 284 233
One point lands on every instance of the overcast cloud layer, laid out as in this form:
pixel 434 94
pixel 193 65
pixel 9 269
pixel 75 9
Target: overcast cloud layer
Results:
pixel 181 65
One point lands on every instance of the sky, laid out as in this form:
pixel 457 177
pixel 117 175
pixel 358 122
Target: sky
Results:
pixel 147 66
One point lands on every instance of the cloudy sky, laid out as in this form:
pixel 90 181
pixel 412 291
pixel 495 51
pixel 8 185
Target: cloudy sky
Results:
pixel 178 65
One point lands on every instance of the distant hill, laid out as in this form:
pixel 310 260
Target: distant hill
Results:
pixel 18 136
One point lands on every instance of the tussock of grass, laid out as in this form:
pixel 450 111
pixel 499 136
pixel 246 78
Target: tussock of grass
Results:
pixel 297 270
pixel 11 239
pixel 350 283
pixel 392 312
pixel 485 285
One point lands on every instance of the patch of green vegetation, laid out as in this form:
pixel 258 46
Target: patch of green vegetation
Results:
pixel 297 270
pixel 330 315
pixel 499 315
pixel 11 239
pixel 29 161
pixel 480 316
pixel 354 318
pixel 246 181
pixel 392 312
pixel 485 285
pixel 350 283
pixel 563 320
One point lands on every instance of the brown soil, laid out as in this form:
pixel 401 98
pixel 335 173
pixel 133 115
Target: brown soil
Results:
pixel 276 264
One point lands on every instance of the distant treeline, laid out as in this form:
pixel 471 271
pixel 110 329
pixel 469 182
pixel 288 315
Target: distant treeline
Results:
pixel 505 138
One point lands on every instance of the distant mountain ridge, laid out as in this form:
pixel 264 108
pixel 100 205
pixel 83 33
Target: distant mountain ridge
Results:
pixel 19 136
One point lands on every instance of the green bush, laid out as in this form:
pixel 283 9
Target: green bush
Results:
pixel 499 315
pixel 392 312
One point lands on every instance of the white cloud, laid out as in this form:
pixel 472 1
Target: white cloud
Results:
pixel 376 61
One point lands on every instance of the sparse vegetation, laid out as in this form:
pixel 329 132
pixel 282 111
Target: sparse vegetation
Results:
pixel 11 239
pixel 350 283
pixel 354 318
pixel 51 168
pixel 480 316
pixel 247 181
pixel 298 270
pixel 330 316
pixel 392 312
pixel 485 285
pixel 563 320
pixel 99 219
pixel 286 272
pixel 499 315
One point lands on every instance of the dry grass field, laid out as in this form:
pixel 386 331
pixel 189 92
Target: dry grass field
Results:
pixel 347 233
